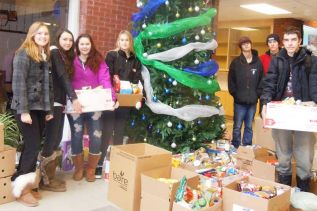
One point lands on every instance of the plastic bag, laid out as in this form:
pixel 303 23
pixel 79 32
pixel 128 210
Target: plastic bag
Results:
pixel 303 200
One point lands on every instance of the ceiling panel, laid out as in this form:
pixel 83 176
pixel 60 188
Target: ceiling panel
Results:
pixel 301 9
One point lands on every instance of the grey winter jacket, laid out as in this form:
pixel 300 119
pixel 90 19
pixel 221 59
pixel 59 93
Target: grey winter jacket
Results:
pixel 31 84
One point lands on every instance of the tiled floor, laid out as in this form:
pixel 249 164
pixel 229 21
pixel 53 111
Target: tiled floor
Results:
pixel 80 196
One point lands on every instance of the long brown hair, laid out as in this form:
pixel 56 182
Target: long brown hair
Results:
pixel 68 56
pixel 31 48
pixel 130 38
pixel 94 57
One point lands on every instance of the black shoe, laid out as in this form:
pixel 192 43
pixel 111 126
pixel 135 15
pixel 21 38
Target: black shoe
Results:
pixel 304 185
pixel 98 173
pixel 285 179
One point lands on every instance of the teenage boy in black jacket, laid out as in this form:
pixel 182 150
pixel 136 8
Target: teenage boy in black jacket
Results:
pixel 245 74
pixel 290 76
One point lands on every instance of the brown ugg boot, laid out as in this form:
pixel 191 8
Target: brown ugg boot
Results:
pixel 48 170
pixel 78 161
pixel 36 194
pixel 91 168
pixel 27 198
pixel 51 172
pixel 21 189
pixel 53 184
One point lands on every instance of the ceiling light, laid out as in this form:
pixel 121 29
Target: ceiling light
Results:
pixel 265 9
pixel 244 28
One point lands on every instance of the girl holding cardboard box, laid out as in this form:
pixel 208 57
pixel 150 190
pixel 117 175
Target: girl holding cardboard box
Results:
pixel 124 66
pixel 89 71
pixel 62 56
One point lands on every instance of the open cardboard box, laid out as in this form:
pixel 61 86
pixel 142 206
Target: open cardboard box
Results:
pixel 302 118
pixel 7 161
pixel 128 100
pixel 127 164
pixel 254 160
pixel 154 190
pixel 238 201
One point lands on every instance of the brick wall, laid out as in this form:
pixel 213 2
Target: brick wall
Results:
pixel 104 19
pixel 279 25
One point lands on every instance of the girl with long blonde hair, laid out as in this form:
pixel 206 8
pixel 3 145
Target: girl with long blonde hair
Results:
pixel 123 64
pixel 32 104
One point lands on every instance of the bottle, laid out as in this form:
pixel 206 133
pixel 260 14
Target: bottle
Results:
pixel 116 83
pixel 107 163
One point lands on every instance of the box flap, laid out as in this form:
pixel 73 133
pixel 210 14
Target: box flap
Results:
pixel 263 170
pixel 152 186
pixel 140 150
pixel 249 153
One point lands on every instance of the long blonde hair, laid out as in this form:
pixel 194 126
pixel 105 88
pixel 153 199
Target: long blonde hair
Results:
pixel 125 32
pixel 31 48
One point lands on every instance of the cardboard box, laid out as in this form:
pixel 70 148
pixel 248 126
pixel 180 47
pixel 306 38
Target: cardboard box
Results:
pixel 254 160
pixel 233 200
pixel 7 161
pixel 1 136
pixel 6 190
pixel 263 136
pixel 92 100
pixel 127 162
pixel 154 190
pixel 128 100
pixel 216 207
pixel 291 117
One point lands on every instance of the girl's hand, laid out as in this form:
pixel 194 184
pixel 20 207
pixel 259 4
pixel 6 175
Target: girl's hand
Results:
pixel 99 87
pixel 26 118
pixel 48 117
pixel 77 106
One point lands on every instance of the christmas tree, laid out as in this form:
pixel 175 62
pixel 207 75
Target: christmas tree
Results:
pixel 174 41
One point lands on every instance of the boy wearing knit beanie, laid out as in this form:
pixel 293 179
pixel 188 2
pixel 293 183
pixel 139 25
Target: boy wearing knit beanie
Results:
pixel 273 42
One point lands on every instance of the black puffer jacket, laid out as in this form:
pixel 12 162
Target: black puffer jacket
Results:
pixel 128 69
pixel 61 83
pixel 304 77
pixel 244 79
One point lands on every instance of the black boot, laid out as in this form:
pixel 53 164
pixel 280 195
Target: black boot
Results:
pixel 304 185
pixel 285 179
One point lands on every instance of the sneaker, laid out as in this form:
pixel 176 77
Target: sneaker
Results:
pixel 98 173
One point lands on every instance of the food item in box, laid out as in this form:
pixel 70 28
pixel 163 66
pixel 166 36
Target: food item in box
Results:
pixel 135 88
pixel 125 87
pixel 200 198
pixel 266 192
pixel 116 83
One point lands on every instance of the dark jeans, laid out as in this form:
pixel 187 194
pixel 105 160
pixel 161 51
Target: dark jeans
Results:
pixel 94 126
pixel 53 132
pixel 114 123
pixel 243 114
pixel 32 135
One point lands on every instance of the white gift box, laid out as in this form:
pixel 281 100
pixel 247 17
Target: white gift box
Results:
pixel 92 100
pixel 291 117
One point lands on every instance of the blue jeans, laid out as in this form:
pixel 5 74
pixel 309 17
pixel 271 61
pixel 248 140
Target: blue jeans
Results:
pixel 243 114
pixel 299 144
pixel 94 125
